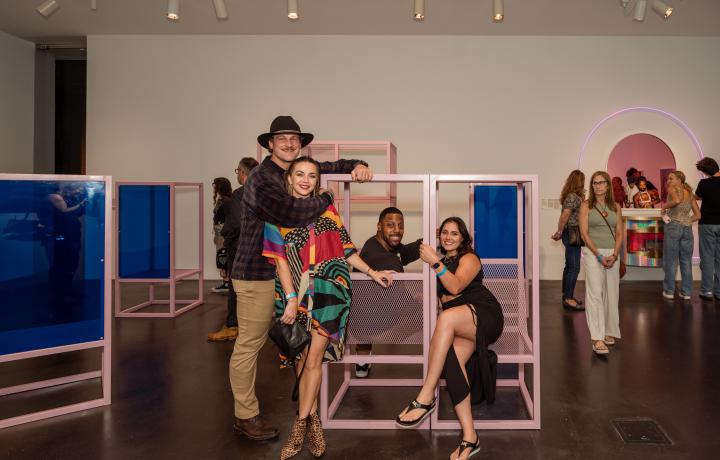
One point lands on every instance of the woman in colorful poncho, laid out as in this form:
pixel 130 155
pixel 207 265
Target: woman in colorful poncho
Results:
pixel 313 287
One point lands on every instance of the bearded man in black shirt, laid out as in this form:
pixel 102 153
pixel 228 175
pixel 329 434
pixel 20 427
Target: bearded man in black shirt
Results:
pixel 385 251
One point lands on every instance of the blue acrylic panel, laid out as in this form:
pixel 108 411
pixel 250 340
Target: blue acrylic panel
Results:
pixel 495 221
pixel 52 251
pixel 144 225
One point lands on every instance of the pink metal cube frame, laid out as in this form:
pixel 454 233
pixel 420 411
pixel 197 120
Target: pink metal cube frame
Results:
pixel 413 327
pixel 516 345
pixel 176 274
pixel 506 278
pixel 105 343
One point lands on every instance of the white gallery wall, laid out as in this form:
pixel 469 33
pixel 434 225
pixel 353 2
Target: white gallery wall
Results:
pixel 186 108
pixel 17 96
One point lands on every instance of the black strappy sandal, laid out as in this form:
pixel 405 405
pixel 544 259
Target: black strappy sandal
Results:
pixel 429 408
pixel 469 445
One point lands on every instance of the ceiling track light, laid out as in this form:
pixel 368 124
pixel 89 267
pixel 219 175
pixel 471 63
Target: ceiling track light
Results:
pixel 639 11
pixel 662 9
pixel 47 8
pixel 93 5
pixel 498 11
pixel 419 10
pixel 220 9
pixel 173 10
pixel 293 14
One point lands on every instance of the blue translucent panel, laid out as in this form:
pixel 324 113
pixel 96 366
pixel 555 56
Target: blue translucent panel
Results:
pixel 495 221
pixel 52 250
pixel 144 225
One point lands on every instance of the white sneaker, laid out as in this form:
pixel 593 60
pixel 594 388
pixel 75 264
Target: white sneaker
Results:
pixel 684 296
pixel 362 370
pixel 668 295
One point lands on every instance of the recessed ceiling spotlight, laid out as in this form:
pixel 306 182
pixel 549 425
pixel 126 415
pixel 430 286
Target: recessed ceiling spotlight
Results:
pixel 220 9
pixel 173 10
pixel 293 13
pixel 639 12
pixel 419 10
pixel 47 8
pixel 498 10
pixel 662 9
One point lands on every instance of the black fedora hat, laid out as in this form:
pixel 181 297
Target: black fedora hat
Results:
pixel 284 124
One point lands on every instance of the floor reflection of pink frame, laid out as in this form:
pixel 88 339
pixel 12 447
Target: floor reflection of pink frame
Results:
pixel 176 274
pixel 517 344
pixel 328 406
pixel 104 344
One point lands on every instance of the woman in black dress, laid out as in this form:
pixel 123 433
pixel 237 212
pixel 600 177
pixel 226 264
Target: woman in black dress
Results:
pixel 470 321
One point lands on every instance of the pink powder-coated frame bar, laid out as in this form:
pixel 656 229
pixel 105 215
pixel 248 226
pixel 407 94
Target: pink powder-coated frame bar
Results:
pixel 176 274
pixel 328 407
pixel 104 343
pixel 528 237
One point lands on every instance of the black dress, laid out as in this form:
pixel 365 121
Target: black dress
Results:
pixel 482 365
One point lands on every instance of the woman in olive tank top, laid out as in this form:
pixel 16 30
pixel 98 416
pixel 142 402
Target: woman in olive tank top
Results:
pixel 601 228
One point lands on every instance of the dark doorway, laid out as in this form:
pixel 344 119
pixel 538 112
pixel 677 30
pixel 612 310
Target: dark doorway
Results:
pixel 70 98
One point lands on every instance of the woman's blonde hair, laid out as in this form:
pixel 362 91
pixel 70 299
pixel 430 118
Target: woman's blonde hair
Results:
pixel 681 177
pixel 575 183
pixel 592 200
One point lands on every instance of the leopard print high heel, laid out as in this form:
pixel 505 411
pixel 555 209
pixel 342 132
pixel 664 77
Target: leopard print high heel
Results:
pixel 295 441
pixel 316 441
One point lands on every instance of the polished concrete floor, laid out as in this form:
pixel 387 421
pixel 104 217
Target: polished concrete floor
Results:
pixel 171 398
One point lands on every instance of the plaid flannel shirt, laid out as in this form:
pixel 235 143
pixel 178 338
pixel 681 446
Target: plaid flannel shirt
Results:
pixel 265 199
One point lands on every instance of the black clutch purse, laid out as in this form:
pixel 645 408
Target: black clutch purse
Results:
pixel 290 339
pixel 221 261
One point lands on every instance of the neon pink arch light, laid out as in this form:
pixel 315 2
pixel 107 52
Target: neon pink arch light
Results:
pixel 668 115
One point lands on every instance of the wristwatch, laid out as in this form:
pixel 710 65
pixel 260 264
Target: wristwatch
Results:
pixel 436 265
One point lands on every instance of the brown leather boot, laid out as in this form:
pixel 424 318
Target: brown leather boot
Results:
pixel 256 428
pixel 224 334
pixel 295 441
pixel 316 436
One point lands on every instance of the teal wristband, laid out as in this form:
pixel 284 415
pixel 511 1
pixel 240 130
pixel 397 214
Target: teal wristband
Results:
pixel 599 258
pixel 292 295
pixel 442 272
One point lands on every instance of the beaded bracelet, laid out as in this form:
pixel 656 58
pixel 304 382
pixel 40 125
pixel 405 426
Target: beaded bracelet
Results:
pixel 291 295
pixel 442 272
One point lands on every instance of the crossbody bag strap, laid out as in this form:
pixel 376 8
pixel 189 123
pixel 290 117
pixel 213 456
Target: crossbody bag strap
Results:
pixel 606 222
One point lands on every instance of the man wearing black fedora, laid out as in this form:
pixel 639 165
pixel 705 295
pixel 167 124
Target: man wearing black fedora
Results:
pixel 266 199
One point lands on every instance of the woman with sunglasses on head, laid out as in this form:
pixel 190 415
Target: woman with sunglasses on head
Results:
pixel 601 229
pixel 471 319
pixel 313 287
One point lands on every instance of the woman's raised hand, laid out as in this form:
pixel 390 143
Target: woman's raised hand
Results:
pixel 428 254
pixel 290 313
pixel 382 277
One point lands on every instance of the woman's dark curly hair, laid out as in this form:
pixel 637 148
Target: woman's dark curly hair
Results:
pixel 466 243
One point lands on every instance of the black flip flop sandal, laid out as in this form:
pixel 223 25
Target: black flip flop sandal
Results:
pixel 429 408
pixel 469 445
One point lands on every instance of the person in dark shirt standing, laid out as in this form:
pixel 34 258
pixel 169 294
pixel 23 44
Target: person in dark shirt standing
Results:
pixel 230 232
pixel 265 199
pixel 385 251
pixel 708 190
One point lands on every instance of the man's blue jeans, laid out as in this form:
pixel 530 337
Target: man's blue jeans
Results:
pixel 710 258
pixel 572 267
pixel 678 244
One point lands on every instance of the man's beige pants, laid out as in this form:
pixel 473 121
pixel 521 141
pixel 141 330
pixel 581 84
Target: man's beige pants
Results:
pixel 255 306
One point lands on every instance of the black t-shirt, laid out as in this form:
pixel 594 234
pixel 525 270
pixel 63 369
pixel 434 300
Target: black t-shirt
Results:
pixel 379 258
pixel 708 190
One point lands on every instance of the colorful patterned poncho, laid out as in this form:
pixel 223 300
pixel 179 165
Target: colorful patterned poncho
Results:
pixel 317 257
